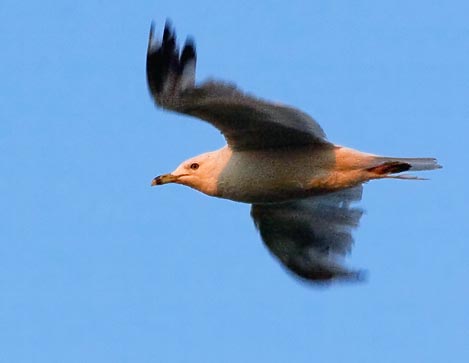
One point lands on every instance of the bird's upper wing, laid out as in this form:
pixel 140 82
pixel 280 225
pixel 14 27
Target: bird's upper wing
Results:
pixel 245 121
pixel 309 236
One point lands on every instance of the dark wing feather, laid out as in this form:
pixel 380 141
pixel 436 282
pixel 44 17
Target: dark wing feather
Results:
pixel 245 121
pixel 310 236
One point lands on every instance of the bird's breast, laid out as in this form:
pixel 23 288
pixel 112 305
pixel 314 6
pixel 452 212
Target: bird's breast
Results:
pixel 273 175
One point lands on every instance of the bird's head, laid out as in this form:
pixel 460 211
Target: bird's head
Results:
pixel 200 172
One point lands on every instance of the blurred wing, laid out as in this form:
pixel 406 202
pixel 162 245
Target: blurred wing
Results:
pixel 310 236
pixel 245 121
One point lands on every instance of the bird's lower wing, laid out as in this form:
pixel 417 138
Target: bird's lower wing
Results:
pixel 310 236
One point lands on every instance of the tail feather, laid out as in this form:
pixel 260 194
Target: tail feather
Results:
pixel 414 164
pixel 388 167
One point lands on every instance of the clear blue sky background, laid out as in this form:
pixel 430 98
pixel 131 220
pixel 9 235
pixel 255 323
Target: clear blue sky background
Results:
pixel 97 266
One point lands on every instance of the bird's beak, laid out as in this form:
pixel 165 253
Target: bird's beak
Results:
pixel 164 179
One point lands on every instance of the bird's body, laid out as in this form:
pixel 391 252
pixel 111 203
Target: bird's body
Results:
pixel 259 176
pixel 278 159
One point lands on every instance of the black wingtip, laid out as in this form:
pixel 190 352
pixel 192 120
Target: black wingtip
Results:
pixel 190 42
pixel 168 33
pixel 168 24
pixel 166 67
pixel 188 52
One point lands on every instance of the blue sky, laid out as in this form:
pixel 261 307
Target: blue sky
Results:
pixel 97 266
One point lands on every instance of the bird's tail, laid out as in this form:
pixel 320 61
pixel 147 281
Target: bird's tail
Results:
pixel 387 167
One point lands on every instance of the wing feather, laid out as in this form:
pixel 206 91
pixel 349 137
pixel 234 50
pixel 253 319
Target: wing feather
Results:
pixel 310 236
pixel 246 122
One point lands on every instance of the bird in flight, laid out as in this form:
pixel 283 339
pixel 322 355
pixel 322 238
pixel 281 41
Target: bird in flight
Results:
pixel 277 158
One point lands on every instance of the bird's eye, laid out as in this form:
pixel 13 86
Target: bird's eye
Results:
pixel 194 166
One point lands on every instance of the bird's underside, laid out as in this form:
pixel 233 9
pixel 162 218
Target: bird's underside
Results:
pixel 277 158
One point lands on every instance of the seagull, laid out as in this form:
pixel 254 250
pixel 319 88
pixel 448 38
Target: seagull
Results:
pixel 276 158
